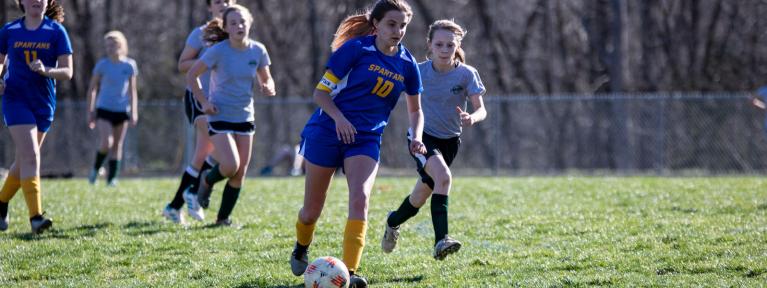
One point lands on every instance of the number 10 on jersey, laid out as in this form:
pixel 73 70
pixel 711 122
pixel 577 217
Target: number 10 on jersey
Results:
pixel 383 87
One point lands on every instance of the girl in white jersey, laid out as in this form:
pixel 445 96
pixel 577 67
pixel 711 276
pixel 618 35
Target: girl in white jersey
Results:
pixel 448 82
pixel 193 50
pixel 235 62
pixel 113 84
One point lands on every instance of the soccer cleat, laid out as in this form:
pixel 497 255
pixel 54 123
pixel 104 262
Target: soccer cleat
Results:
pixel 203 191
pixel 112 183
pixel 390 237
pixel 40 224
pixel 92 176
pixel 195 211
pixel 446 247
pixel 223 222
pixel 174 215
pixel 299 260
pixel 357 281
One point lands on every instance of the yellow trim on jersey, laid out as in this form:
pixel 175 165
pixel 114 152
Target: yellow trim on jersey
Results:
pixel 328 82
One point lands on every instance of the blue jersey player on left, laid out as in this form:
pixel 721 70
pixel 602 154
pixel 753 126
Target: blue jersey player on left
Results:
pixel 34 52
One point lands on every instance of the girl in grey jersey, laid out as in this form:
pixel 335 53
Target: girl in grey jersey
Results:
pixel 448 83
pixel 194 48
pixel 235 63
pixel 112 101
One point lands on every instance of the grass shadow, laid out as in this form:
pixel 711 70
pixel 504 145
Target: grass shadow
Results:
pixel 144 228
pixel 78 232
pixel 411 280
pixel 265 283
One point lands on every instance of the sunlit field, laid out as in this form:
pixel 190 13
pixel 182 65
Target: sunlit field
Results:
pixel 527 232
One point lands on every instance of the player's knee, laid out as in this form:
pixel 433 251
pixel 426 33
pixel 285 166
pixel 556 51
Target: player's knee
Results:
pixel 358 202
pixel 309 216
pixel 443 179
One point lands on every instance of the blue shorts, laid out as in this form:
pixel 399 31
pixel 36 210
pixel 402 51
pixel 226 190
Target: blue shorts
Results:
pixel 17 112
pixel 322 147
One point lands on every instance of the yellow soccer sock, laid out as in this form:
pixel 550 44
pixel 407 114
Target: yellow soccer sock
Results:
pixel 31 187
pixel 10 187
pixel 304 233
pixel 354 242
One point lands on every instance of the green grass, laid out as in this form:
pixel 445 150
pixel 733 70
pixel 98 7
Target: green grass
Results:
pixel 527 232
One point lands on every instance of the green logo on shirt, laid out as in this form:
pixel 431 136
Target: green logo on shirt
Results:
pixel 457 89
pixel 253 63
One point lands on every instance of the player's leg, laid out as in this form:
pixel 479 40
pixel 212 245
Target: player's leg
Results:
pixel 104 129
pixel 116 151
pixel 234 185
pixel 361 172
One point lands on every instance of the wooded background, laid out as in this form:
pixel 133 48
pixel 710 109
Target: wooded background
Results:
pixel 522 46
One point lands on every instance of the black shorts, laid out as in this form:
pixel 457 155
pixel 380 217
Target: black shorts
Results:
pixel 192 108
pixel 222 127
pixel 115 118
pixel 448 148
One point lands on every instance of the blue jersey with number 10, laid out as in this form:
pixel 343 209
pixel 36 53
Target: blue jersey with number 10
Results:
pixel 23 46
pixel 365 85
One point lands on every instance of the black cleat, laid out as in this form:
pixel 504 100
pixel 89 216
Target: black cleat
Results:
pixel 299 260
pixel 203 191
pixel 357 281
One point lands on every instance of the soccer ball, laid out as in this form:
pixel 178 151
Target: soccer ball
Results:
pixel 326 272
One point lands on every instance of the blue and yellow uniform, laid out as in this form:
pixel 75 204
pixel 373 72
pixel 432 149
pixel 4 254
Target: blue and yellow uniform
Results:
pixel 30 98
pixel 365 85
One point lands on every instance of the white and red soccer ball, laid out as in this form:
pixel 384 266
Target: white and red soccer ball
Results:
pixel 326 272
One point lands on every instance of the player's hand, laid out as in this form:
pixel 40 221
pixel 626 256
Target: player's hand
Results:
pixel 209 109
pixel 417 147
pixel 345 130
pixel 755 101
pixel 37 66
pixel 133 119
pixel 92 120
pixel 466 119
pixel 268 90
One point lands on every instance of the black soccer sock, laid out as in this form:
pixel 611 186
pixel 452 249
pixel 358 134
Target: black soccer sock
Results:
pixel 439 216
pixel 100 157
pixel 403 213
pixel 190 176
pixel 228 200
pixel 214 175
pixel 114 169
pixel 3 209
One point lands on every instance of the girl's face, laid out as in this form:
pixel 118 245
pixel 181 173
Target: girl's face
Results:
pixel 237 26
pixel 443 45
pixel 392 27
pixel 217 7
pixel 113 47
pixel 34 7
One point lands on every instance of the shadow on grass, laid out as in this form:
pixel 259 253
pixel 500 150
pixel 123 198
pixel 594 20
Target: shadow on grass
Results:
pixel 411 280
pixel 144 228
pixel 82 231
pixel 265 283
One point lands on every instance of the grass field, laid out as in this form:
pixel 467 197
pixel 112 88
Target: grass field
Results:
pixel 528 232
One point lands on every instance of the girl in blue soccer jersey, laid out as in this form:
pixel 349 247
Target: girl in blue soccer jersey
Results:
pixel 448 82
pixel 235 62
pixel 113 83
pixel 195 47
pixel 365 76
pixel 34 52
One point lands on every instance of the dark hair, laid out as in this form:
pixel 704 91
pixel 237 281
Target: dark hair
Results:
pixel 214 30
pixel 362 24
pixel 451 26
pixel 54 10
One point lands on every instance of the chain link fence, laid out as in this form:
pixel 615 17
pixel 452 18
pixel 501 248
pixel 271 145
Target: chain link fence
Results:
pixel 659 133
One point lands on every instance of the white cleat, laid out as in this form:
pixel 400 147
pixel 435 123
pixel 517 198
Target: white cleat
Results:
pixel 390 237
pixel 174 215
pixel 195 211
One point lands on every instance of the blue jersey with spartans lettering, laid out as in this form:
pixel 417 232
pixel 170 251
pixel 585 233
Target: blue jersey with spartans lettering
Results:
pixel 369 85
pixel 22 46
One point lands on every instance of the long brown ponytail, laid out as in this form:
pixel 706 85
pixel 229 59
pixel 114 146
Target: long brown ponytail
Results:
pixel 362 24
pixel 453 27
pixel 54 11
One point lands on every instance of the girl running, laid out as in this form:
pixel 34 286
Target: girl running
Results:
pixel 365 76
pixel 37 52
pixel 235 62
pixel 187 190
pixel 114 85
pixel 448 82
